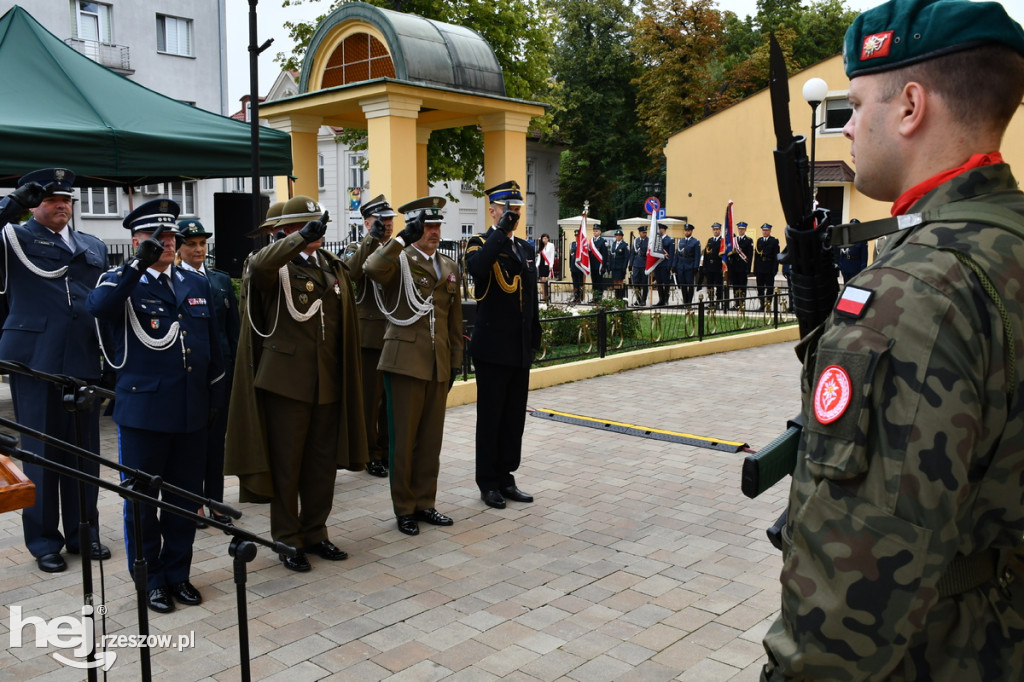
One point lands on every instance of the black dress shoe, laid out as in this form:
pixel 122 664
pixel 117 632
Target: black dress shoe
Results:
pixel 378 469
pixel 221 518
pixel 492 498
pixel 325 549
pixel 433 517
pixel 96 551
pixel 51 563
pixel 159 600
pixel 299 562
pixel 515 494
pixel 186 593
pixel 407 524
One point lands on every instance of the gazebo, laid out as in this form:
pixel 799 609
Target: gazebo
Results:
pixel 400 77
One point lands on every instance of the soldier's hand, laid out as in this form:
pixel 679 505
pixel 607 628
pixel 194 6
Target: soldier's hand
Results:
pixel 149 252
pixel 314 229
pixel 454 376
pixel 508 220
pixel 29 195
pixel 413 230
pixel 378 230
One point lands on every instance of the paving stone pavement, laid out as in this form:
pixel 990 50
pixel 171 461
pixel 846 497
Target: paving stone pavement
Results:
pixel 639 560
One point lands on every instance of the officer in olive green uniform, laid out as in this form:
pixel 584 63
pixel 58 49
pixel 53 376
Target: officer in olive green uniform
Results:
pixel 421 357
pixel 296 412
pixel 371 339
pixel 906 511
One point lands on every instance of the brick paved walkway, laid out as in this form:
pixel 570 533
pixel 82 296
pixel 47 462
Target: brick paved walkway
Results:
pixel 640 559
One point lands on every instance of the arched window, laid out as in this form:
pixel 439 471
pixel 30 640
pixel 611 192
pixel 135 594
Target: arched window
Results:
pixel 360 57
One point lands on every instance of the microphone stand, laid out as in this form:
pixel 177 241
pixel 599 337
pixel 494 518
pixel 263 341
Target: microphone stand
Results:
pixel 242 547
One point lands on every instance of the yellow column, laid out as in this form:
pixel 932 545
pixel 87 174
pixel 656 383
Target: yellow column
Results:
pixel 392 146
pixel 505 148
pixel 422 138
pixel 303 130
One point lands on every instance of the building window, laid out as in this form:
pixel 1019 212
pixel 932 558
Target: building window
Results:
pixel 174 35
pixel 360 57
pixel 530 188
pixel 99 201
pixel 467 229
pixel 357 171
pixel 185 194
pixel 320 176
pixel 238 185
pixel 267 183
pixel 92 21
pixel 837 113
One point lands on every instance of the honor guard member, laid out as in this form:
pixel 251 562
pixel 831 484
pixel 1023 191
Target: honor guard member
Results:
pixel 421 357
pixel 46 273
pixel 506 336
pixel 371 337
pixel 600 263
pixel 638 266
pixel 662 271
pixel 686 261
pixel 711 267
pixel 851 259
pixel 903 550
pixel 576 274
pixel 296 412
pixel 160 334
pixel 619 263
pixel 192 238
pixel 740 259
pixel 766 264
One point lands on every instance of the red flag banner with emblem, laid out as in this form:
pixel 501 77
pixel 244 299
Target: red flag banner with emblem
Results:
pixel 728 241
pixel 655 249
pixel 583 246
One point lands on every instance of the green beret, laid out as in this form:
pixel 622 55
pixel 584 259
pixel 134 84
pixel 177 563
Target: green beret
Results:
pixel 903 32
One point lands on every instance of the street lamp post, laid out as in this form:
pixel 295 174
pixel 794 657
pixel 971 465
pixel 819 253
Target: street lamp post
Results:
pixel 814 92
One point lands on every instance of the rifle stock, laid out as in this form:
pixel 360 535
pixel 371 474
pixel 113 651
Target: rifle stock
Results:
pixel 772 463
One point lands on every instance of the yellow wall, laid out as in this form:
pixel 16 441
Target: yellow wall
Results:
pixel 729 156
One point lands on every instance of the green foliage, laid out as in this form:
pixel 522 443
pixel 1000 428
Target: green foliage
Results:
pixel 595 104
pixel 618 308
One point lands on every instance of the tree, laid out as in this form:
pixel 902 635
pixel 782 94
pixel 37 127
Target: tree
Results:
pixel 595 103
pixel 518 33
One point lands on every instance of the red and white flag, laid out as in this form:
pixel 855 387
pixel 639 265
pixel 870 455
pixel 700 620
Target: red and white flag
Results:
pixel 655 249
pixel 583 246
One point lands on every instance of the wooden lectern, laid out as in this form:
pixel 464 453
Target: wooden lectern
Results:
pixel 16 491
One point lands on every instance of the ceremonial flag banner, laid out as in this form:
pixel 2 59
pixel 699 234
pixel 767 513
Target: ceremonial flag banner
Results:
pixel 583 247
pixel 655 249
pixel 727 243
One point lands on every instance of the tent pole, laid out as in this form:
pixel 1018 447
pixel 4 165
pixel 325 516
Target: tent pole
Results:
pixel 254 109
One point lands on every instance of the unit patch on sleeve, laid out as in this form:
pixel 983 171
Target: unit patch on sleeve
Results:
pixel 832 394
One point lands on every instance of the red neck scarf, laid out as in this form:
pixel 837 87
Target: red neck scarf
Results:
pixel 911 196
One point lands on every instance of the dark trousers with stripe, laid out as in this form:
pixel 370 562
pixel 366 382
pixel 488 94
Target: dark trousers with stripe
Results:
pixel 180 460
pixel 38 405
pixel 501 392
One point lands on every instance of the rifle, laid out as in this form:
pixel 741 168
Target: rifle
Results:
pixel 813 283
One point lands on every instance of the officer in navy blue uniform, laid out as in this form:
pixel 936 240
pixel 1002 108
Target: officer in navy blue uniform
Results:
pixel 638 264
pixel 662 271
pixel 685 262
pixel 599 268
pixel 170 384
pixel 506 335
pixel 620 261
pixel 192 236
pixel 47 271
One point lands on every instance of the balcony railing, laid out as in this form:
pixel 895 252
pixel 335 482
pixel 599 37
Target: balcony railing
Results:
pixel 114 57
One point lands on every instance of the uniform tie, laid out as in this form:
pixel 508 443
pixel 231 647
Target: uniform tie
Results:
pixel 165 279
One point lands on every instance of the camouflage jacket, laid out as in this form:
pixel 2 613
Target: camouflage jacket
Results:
pixel 912 454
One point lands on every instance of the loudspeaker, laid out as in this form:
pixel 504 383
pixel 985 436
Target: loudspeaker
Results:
pixel 232 220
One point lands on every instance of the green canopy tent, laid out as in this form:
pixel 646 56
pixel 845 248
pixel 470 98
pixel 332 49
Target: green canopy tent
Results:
pixel 62 108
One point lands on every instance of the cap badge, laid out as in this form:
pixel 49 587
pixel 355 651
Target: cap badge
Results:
pixel 163 206
pixel 832 395
pixel 876 45
pixel 311 206
pixel 58 174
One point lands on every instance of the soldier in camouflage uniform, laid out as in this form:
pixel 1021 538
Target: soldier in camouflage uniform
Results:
pixel 906 511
